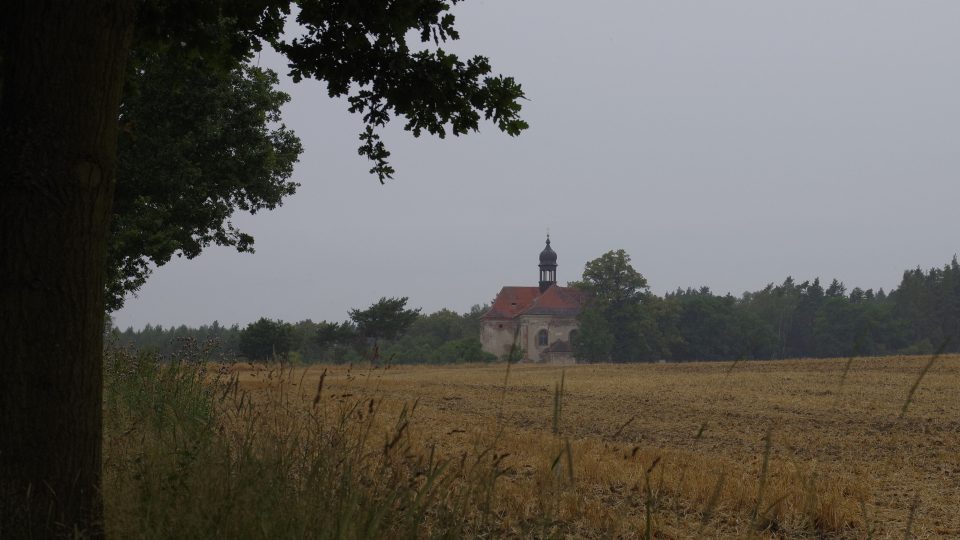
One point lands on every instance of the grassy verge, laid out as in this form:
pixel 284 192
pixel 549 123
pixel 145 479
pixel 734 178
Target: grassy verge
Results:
pixel 188 454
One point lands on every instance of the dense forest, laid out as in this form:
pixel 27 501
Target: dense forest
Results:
pixel 622 323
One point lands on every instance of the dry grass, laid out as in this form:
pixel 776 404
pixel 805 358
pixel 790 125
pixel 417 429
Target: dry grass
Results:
pixel 780 449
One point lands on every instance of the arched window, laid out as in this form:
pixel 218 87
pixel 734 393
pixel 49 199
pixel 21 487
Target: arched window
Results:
pixel 542 338
pixel 573 335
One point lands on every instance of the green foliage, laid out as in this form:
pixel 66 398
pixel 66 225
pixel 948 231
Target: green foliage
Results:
pixel 594 341
pixel 612 280
pixel 223 341
pixel 266 339
pixel 779 321
pixel 361 52
pixel 441 337
pixel 387 319
pixel 333 342
pixel 197 145
pixel 462 350
pixel 617 322
pixel 201 135
pixel 328 333
pixel 712 328
pixel 623 323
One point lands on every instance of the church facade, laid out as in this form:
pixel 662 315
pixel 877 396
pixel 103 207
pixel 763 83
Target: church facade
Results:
pixel 534 324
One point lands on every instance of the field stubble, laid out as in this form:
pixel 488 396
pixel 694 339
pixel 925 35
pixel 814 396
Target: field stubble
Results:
pixel 786 449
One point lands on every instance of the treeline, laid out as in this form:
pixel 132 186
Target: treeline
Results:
pixel 387 331
pixel 625 323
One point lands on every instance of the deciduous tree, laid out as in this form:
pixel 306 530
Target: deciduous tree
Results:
pixel 197 145
pixel 63 66
pixel 615 325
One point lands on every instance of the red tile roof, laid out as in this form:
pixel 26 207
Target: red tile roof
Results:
pixel 511 301
pixel 515 301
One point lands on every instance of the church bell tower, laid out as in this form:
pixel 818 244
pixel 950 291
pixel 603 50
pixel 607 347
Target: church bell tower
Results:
pixel 548 267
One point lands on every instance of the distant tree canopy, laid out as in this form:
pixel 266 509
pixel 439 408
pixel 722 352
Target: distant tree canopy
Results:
pixel 387 319
pixel 441 337
pixel 266 339
pixel 616 322
pixel 611 280
pixel 623 323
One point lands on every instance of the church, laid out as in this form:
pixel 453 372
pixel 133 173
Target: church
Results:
pixel 537 323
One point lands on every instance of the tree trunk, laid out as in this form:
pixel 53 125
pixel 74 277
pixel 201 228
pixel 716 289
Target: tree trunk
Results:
pixel 63 67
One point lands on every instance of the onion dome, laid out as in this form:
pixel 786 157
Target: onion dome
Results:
pixel 548 255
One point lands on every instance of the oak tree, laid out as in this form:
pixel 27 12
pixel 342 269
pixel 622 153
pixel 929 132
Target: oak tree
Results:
pixel 63 68
pixel 615 322
pixel 196 145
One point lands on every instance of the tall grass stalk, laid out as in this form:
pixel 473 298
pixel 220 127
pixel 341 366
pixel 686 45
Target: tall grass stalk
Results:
pixel 764 471
pixel 712 503
pixel 190 455
pixel 908 532
pixel 649 500
pixel 868 524
pixel 921 375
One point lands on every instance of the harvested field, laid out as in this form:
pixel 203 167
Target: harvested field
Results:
pixel 787 449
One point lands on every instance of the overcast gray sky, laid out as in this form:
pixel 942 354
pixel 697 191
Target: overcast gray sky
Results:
pixel 726 144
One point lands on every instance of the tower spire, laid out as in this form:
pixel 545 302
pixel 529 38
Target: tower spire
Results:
pixel 548 266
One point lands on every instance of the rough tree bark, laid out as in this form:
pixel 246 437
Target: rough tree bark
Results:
pixel 63 66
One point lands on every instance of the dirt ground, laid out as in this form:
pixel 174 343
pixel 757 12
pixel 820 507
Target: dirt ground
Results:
pixel 791 449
